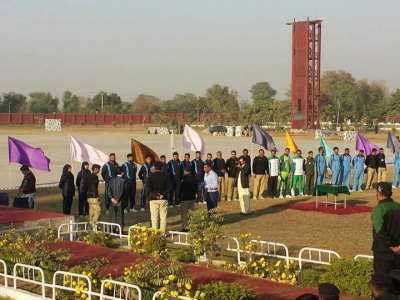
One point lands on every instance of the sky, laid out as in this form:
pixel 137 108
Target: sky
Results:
pixel 167 47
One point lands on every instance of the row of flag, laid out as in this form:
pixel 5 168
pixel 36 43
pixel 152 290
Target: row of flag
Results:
pixel 22 153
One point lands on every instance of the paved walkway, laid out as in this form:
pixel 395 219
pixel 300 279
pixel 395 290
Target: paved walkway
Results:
pixel 119 259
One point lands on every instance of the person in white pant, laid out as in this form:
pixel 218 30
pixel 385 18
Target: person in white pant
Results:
pixel 242 180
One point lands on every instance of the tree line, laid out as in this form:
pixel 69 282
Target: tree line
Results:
pixel 343 98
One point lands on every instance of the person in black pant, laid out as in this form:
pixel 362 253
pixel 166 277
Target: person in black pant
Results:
pixel 188 196
pixel 186 162
pixel 198 171
pixel 107 172
pixel 68 189
pixel 386 230
pixel 231 168
pixel 165 167
pixel 81 183
pixel 220 168
pixel 247 157
pixel 144 173
pixel 130 170
pixel 175 175
pixel 117 191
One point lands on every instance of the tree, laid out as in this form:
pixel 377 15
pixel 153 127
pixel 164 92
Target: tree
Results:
pixel 394 103
pixel 220 100
pixel 339 87
pixel 71 103
pixel 372 99
pixel 146 104
pixel 262 91
pixel 262 94
pixel 104 103
pixel 13 102
pixel 43 103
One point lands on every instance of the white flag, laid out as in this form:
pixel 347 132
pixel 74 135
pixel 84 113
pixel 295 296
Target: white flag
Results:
pixel 192 140
pixel 83 152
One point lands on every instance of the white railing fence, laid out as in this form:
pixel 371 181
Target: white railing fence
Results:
pixel 324 257
pixel 158 295
pixel 69 282
pixel 363 256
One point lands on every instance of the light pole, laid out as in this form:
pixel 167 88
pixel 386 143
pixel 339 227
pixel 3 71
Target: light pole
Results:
pixel 338 112
pixel 102 103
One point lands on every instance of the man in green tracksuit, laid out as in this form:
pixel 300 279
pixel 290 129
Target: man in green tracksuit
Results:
pixel 285 166
pixel 298 170
pixel 309 168
pixel 386 230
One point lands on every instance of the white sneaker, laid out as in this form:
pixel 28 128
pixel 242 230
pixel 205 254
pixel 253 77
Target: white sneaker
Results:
pixel 261 198
pixel 288 196
pixel 254 198
pixel 125 210
pixel 107 212
pixel 360 190
pixel 142 209
pixel 393 186
pixel 178 205
pixel 281 197
pixel 292 192
pixel 301 194
pixel 133 210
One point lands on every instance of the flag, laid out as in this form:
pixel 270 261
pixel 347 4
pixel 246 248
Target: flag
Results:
pixel 192 140
pixel 290 143
pixel 363 144
pixel 83 152
pixel 139 151
pixel 392 142
pixel 262 138
pixel 19 152
pixel 328 150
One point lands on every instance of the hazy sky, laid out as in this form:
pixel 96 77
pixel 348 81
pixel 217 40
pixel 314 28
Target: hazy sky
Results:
pixel 168 47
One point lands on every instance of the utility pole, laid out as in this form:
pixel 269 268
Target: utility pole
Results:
pixel 102 102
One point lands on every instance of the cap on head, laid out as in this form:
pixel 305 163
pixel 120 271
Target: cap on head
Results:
pixel 384 188
pixel 328 290
pixel 158 165
pixel 381 280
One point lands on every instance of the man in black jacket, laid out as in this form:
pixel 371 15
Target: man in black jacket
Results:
pixel 381 165
pixel 130 170
pixel 108 172
pixel 231 168
pixel 242 180
pixel 93 195
pixel 144 173
pixel 188 196
pixel 260 174
pixel 67 186
pixel 28 186
pixel 371 163
pixel 81 184
pixel 175 174
pixel 386 230
pixel 220 168
pixel 158 187
pixel 117 192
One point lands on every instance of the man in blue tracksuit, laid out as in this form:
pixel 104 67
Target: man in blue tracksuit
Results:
pixel 320 166
pixel 130 169
pixel 198 171
pixel 396 163
pixel 335 163
pixel 175 175
pixel 358 164
pixel 108 172
pixel 346 168
pixel 144 173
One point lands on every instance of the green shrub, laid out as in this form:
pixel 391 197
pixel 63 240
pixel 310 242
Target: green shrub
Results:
pixel 350 276
pixel 181 255
pixel 82 123
pixel 222 290
pixel 96 123
pixel 155 244
pixel 98 238
pixel 309 277
pixel 114 123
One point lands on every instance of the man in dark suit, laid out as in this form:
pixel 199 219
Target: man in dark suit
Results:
pixel 242 181
pixel 117 192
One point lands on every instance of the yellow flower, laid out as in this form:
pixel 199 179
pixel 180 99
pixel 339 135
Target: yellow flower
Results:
pixel 83 296
pixel 283 275
pixel 174 293
pixel 202 295
pixel 165 282
pixel 188 286
pixel 171 277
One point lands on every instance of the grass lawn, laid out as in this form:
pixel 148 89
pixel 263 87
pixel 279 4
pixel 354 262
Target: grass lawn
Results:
pixel 347 234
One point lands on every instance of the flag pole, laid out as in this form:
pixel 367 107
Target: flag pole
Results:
pixel 9 173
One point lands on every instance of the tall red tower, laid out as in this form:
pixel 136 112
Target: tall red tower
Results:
pixel 306 74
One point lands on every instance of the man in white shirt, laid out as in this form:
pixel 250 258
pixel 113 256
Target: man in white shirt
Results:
pixel 210 186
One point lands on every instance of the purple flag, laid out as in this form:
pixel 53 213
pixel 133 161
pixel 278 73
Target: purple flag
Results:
pixel 363 144
pixel 392 142
pixel 19 152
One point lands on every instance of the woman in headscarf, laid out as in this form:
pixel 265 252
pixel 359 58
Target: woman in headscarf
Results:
pixel 81 183
pixel 68 188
